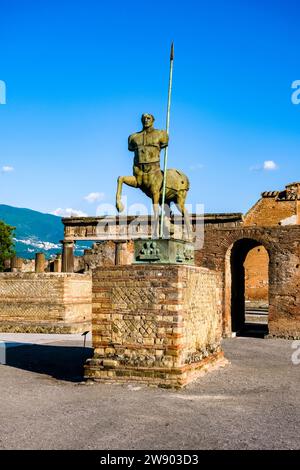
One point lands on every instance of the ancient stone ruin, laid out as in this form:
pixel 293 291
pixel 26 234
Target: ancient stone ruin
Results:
pixel 161 324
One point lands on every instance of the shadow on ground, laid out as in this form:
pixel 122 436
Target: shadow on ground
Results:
pixel 60 362
pixel 66 362
pixel 253 330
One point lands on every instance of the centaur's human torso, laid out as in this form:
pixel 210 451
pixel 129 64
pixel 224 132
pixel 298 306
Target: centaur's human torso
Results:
pixel 146 146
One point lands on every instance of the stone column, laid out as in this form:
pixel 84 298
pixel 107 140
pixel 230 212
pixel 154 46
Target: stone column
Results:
pixel 57 264
pixel 118 253
pixel 124 252
pixel 68 256
pixel 16 264
pixel 40 262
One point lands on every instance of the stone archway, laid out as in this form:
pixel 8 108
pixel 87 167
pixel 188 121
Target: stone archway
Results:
pixel 234 318
pixel 283 247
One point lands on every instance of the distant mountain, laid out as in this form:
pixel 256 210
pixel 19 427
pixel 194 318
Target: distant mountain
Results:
pixel 35 231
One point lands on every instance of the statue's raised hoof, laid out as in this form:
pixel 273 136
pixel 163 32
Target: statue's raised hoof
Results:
pixel 119 206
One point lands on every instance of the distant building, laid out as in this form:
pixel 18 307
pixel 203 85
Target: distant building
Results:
pixel 276 208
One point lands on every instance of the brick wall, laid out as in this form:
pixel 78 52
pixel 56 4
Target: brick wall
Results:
pixel 155 324
pixel 268 211
pixel 276 208
pixel 45 303
pixel 202 306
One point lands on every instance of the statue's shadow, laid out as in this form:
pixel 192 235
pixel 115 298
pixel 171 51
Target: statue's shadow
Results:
pixel 59 361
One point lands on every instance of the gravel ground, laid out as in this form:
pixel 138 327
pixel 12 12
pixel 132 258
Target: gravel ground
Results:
pixel 253 403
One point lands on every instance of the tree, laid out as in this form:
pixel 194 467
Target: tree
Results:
pixel 6 243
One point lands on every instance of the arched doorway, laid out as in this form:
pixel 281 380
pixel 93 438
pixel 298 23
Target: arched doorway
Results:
pixel 257 287
pixel 246 290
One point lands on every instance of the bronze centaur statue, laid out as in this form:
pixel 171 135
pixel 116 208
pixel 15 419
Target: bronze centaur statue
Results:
pixel 148 176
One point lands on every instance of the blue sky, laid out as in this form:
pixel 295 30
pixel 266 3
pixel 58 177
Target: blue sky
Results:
pixel 80 73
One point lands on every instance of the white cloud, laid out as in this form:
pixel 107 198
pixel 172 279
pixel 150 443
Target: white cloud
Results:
pixel 94 197
pixel 270 165
pixel 38 244
pixel 7 169
pixel 68 212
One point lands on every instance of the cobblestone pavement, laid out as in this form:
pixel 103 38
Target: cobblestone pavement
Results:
pixel 254 403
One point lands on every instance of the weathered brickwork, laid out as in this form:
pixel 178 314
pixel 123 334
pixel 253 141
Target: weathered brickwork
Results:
pixel 267 212
pixel 276 208
pixel 202 300
pixel 225 251
pixel 273 209
pixel 108 253
pixel 155 324
pixel 45 302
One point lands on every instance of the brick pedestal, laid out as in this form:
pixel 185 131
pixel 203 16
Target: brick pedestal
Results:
pixel 159 324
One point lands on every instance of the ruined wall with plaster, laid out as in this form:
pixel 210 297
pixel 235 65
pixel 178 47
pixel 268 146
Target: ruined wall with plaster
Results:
pixel 45 302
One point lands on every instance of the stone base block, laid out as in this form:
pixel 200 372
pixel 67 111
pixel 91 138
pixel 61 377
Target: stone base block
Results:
pixel 164 251
pixel 155 324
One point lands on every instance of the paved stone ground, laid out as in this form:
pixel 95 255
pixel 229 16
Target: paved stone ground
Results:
pixel 254 403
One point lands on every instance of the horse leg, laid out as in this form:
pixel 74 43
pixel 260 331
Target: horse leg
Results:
pixel 168 227
pixel 181 207
pixel 155 202
pixel 130 181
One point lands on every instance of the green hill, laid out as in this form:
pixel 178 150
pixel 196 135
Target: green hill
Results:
pixel 34 231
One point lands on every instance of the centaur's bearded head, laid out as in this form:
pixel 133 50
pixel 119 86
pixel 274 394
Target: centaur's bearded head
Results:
pixel 147 120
